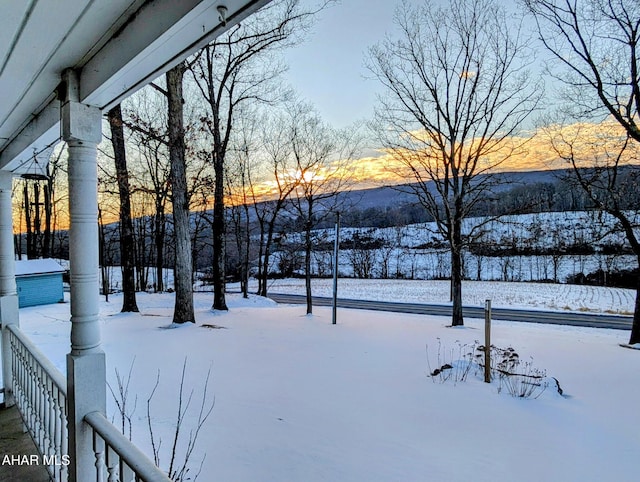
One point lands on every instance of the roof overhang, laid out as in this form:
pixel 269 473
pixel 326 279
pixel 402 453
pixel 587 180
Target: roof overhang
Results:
pixel 116 47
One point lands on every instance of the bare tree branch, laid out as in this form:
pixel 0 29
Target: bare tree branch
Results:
pixel 596 44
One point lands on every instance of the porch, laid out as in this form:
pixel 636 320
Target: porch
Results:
pixel 62 64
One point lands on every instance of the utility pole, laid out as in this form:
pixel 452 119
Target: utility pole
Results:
pixel 487 341
pixel 336 248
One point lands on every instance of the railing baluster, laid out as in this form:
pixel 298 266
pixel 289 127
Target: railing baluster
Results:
pixel 98 450
pixel 112 465
pixel 126 474
pixel 57 429
pixel 64 434
pixel 35 396
pixel 51 419
pixel 42 421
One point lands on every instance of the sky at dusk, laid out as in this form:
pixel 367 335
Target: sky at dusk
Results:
pixel 328 68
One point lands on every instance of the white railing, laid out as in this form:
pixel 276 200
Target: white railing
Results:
pixel 40 394
pixel 117 458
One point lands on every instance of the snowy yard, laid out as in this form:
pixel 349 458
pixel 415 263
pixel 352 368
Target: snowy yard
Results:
pixel 298 399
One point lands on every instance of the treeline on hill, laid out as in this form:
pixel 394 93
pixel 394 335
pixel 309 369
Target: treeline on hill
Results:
pixel 627 278
pixel 554 193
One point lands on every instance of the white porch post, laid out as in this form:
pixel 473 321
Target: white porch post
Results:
pixel 8 293
pixel 86 381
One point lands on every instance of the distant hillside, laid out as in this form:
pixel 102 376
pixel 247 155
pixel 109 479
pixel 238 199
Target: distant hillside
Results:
pixel 512 193
pixel 391 196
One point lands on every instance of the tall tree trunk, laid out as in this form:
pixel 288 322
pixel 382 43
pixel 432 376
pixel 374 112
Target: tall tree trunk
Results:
pixel 219 233
pixel 635 327
pixel 183 311
pixel 46 241
pixel 27 220
pixel 36 220
pixel 17 246
pixel 159 232
pixel 261 252
pixel 265 247
pixel 240 216
pixel 247 252
pixel 141 253
pixel 127 240
pixel 307 273
pixel 265 263
pixel 101 247
pixel 307 257
pixel 195 249
pixel 456 274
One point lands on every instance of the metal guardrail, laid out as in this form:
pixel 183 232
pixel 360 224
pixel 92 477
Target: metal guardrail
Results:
pixel 117 458
pixel 40 394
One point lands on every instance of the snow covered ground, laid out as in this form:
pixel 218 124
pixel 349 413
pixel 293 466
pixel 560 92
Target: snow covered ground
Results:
pixel 299 399
pixel 546 296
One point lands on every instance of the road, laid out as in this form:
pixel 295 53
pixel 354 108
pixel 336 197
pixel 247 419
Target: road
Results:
pixel 591 320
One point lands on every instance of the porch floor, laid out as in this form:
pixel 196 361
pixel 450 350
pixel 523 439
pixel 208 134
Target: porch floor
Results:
pixel 15 442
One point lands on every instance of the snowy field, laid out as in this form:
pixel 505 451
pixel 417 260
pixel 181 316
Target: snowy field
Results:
pixel 544 296
pixel 298 399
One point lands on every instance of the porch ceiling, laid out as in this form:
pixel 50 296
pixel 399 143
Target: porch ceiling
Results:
pixel 117 46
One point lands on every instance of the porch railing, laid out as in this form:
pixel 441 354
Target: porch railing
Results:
pixel 117 458
pixel 40 393
pixel 41 397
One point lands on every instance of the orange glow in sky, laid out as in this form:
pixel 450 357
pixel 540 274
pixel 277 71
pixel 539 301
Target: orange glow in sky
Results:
pixel 592 143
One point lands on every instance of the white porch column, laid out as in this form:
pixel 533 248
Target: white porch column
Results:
pixel 8 293
pixel 86 382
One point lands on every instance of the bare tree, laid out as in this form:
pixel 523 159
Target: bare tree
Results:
pixel 53 202
pixel 237 67
pixel 457 91
pixel 127 241
pixel 107 240
pixel 320 154
pixel 276 148
pixel 240 189
pixel 363 253
pixel 145 116
pixel 41 193
pixel 37 202
pixel 595 44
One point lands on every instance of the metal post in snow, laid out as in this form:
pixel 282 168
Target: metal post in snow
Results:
pixel 487 341
pixel 336 247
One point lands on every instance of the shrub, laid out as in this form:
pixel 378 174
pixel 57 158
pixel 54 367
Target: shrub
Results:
pixel 519 379
pixel 448 369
